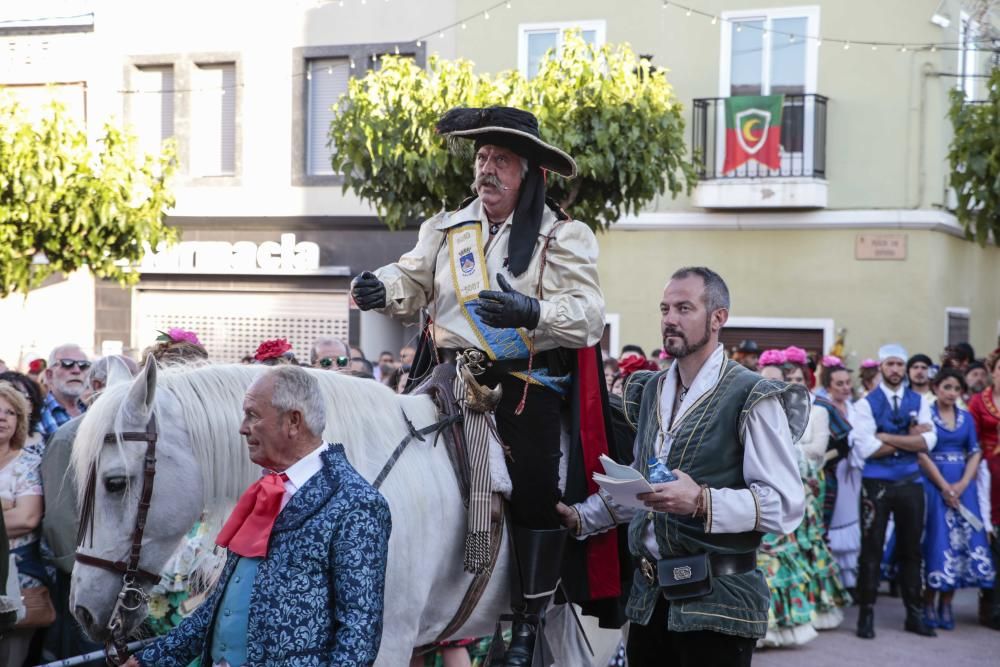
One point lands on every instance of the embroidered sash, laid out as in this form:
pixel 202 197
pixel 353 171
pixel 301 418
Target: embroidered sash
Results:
pixel 469 277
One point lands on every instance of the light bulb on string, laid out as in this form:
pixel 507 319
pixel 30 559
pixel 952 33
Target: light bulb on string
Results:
pixel 441 34
pixel 847 45
pixel 902 49
pixel 508 4
pixel 715 19
pixel 687 13
pixel 486 15
pixel 665 3
pixel 309 75
pixel 464 26
pixel 329 70
pixel 791 38
pixel 739 27
pixel 352 63
pixel 933 48
pixel 395 48
pixel 874 47
pixel 419 43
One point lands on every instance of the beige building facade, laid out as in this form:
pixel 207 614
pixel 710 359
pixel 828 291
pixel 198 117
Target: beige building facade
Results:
pixel 853 230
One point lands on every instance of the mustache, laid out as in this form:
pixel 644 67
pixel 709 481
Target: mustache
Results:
pixel 488 179
pixel 673 332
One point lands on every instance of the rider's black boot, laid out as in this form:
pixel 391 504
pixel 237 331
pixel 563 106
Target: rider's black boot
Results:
pixel 538 559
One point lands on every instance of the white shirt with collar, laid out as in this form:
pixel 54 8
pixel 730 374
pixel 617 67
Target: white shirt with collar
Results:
pixel 864 433
pixel 302 471
pixel 774 500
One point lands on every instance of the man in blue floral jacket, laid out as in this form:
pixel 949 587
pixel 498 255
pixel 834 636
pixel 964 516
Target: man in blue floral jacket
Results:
pixel 304 582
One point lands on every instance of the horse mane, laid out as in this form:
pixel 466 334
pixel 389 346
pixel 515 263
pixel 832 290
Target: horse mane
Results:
pixel 363 415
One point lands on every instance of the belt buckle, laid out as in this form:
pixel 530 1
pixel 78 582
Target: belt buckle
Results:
pixel 646 568
pixel 473 359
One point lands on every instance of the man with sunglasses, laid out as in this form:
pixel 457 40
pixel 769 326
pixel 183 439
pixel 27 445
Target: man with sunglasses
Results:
pixel 330 354
pixel 66 379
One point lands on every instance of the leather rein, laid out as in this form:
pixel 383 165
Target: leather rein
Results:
pixel 131 596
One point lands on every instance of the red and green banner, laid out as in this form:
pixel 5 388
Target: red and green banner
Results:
pixel 753 130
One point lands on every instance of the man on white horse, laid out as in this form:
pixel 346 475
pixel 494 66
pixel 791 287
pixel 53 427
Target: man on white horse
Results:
pixel 512 288
pixel 308 546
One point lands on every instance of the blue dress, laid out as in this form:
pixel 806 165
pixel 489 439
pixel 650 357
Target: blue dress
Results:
pixel 955 555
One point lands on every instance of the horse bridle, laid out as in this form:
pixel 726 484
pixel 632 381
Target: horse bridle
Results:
pixel 131 596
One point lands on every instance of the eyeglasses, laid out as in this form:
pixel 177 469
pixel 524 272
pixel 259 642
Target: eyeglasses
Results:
pixel 82 364
pixel 341 362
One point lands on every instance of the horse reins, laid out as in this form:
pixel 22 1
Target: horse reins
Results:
pixel 131 596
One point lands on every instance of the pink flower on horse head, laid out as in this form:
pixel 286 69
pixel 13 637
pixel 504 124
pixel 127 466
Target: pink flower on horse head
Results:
pixel 771 358
pixel 832 361
pixel 177 334
pixel 796 355
pixel 869 363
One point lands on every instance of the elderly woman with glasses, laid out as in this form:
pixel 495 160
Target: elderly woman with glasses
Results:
pixel 21 498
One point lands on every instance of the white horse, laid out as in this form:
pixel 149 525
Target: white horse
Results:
pixel 202 467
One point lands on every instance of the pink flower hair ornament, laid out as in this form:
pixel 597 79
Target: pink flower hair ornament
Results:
pixel 832 361
pixel 771 358
pixel 176 335
pixel 796 355
pixel 869 363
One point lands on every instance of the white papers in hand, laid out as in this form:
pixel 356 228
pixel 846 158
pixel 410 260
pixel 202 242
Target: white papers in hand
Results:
pixel 622 483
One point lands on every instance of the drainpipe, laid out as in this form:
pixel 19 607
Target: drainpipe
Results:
pixel 926 71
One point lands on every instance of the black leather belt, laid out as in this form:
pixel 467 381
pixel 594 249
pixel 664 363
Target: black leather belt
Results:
pixel 722 564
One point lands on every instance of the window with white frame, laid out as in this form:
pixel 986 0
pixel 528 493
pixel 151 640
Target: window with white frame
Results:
pixel 537 39
pixel 773 52
pixel 326 81
pixel 213 116
pixel 153 106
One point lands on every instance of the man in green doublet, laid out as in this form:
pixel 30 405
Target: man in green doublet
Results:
pixel 727 434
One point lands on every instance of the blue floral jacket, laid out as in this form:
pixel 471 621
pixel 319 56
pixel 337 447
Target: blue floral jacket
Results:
pixel 318 595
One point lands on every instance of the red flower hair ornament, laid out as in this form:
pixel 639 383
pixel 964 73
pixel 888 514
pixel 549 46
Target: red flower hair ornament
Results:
pixel 272 349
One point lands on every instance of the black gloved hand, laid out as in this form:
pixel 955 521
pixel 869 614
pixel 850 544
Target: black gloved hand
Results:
pixel 368 291
pixel 509 308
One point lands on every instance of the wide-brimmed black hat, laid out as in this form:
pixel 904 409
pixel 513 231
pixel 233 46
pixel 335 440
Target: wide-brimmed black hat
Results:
pixel 511 128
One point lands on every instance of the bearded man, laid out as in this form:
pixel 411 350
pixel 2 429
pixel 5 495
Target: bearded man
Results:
pixel 697 597
pixel 509 279
pixel 65 377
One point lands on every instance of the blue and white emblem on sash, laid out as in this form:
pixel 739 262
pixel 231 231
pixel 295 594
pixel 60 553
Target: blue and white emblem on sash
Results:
pixel 468 263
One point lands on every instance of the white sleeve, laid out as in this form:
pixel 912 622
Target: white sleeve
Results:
pixel 599 514
pixel 863 433
pixel 983 483
pixel 924 417
pixel 817 436
pixel 775 499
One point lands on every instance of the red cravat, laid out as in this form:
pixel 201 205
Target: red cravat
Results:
pixel 249 526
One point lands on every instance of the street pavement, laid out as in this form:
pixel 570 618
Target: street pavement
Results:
pixel 968 645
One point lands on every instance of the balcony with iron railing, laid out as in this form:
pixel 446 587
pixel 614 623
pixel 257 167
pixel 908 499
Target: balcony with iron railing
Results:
pixel 798 180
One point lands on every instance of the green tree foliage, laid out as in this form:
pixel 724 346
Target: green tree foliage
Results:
pixel 608 108
pixel 78 206
pixel 974 156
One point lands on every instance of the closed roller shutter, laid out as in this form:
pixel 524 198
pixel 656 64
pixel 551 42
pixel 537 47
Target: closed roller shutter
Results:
pixel 232 324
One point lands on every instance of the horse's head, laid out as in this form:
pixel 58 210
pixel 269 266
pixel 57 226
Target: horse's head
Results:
pixel 113 473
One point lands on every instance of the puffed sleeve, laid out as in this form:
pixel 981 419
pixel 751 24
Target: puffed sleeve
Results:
pixel 817 435
pixel 774 501
pixel 409 283
pixel 572 306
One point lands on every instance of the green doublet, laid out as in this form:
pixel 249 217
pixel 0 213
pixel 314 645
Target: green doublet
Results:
pixel 707 444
